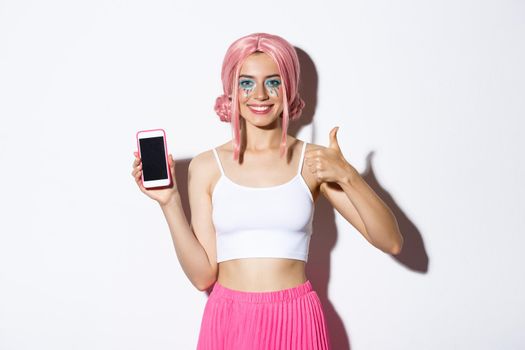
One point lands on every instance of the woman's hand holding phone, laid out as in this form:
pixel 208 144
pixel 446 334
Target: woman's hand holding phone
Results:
pixel 162 195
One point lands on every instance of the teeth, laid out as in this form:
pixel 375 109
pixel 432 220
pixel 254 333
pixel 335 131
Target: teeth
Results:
pixel 260 109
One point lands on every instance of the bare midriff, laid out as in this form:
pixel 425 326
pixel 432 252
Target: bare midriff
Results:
pixel 261 274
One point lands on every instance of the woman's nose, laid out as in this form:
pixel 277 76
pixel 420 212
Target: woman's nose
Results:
pixel 260 92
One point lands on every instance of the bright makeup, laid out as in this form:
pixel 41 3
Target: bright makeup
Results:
pixel 247 85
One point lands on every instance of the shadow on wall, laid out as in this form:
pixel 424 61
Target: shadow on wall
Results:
pixel 324 231
pixel 324 238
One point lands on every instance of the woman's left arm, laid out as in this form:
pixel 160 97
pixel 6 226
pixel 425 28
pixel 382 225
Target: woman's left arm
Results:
pixel 352 197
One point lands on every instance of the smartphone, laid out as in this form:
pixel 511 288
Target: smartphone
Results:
pixel 153 153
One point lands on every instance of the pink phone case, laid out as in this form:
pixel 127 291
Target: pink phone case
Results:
pixel 165 151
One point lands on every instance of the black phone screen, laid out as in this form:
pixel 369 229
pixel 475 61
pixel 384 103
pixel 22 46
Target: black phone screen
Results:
pixel 153 158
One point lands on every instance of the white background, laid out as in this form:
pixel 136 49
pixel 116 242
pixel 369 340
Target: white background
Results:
pixel 429 97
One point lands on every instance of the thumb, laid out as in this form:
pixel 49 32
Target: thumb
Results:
pixel 171 162
pixel 333 139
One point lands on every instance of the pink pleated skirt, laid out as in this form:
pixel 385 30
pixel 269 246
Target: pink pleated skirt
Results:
pixel 286 319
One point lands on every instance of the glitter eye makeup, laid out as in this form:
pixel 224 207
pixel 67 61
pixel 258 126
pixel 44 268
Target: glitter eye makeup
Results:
pixel 273 86
pixel 247 86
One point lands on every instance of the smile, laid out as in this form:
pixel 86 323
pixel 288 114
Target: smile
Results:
pixel 260 109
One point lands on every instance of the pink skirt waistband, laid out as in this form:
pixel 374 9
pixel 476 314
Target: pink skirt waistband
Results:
pixel 261 297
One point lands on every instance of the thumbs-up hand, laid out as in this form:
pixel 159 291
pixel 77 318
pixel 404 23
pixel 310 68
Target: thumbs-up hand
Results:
pixel 328 163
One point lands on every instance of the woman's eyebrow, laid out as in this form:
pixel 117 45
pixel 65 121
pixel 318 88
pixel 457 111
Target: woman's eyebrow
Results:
pixel 251 76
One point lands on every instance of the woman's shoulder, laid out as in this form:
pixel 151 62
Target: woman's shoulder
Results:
pixel 225 147
pixel 311 145
pixel 204 167
pixel 206 162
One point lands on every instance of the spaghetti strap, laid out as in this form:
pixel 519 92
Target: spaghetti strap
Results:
pixel 218 160
pixel 301 160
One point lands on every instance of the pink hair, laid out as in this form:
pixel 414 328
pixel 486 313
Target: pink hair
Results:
pixel 285 56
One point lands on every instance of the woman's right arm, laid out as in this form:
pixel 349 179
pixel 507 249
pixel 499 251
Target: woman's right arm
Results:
pixel 195 244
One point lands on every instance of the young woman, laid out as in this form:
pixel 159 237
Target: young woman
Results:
pixel 252 203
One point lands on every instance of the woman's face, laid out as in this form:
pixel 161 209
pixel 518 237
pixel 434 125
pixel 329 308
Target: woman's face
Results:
pixel 260 90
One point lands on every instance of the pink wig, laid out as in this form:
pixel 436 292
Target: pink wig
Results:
pixel 285 56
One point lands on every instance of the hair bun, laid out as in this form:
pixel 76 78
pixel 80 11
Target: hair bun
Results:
pixel 296 107
pixel 223 108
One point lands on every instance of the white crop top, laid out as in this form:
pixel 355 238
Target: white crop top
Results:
pixel 274 221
